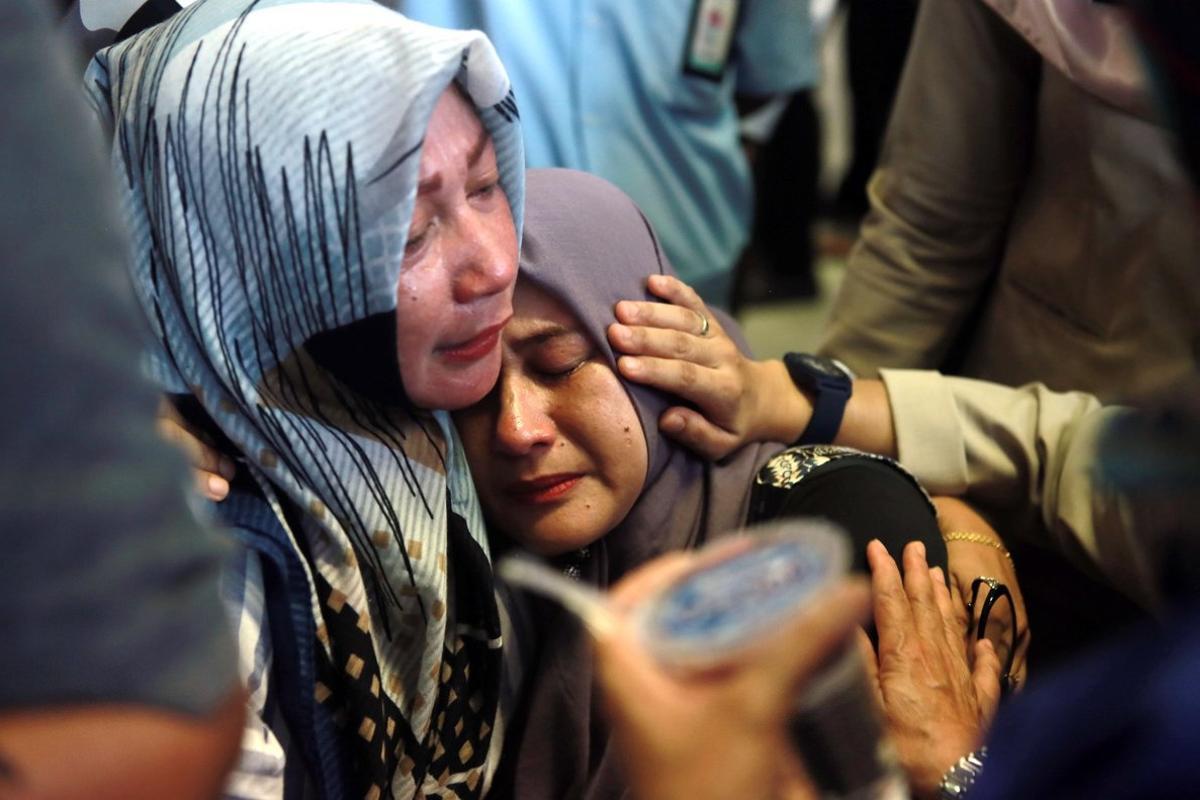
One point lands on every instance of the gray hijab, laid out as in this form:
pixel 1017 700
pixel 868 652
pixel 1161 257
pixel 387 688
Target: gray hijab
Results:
pixel 588 245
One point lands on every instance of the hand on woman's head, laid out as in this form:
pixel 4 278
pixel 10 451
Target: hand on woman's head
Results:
pixel 681 348
pixel 557 450
pixel 460 263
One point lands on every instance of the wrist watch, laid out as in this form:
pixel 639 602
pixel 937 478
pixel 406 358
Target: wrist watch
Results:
pixel 830 383
pixel 958 780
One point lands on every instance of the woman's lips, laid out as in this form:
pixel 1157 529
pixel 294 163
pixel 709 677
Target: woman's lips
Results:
pixel 543 490
pixel 474 348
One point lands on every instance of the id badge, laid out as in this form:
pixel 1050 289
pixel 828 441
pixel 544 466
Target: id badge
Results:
pixel 710 38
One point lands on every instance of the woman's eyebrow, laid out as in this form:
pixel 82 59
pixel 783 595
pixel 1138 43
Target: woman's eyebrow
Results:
pixel 430 184
pixel 543 335
pixel 476 151
pixel 434 181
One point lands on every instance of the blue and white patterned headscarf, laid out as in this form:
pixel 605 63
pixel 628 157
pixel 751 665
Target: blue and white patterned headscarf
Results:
pixel 269 155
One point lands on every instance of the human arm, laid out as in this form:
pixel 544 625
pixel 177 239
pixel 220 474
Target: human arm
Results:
pixel 1026 450
pixel 953 163
pixel 1022 454
pixel 974 549
pixel 775 51
pixel 118 752
pixel 135 751
pixel 722 733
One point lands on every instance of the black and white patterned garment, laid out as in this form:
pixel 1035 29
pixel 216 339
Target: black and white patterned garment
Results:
pixel 867 495
pixel 268 155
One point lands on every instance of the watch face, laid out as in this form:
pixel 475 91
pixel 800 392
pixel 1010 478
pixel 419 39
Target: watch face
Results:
pixel 824 366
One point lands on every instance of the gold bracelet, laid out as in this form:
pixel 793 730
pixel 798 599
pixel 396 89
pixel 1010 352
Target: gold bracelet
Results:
pixel 977 538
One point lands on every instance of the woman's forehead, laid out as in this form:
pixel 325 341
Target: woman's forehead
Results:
pixel 537 312
pixel 454 125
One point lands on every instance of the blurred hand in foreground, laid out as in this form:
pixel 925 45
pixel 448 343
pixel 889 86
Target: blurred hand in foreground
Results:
pixel 718 733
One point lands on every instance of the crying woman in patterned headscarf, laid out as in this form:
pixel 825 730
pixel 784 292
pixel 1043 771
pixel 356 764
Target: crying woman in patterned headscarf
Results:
pixel 325 200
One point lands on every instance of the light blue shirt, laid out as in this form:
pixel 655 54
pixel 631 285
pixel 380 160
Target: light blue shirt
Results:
pixel 601 88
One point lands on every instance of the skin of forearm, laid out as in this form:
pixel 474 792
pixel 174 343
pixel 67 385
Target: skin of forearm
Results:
pixel 867 424
pixel 785 410
pixel 118 752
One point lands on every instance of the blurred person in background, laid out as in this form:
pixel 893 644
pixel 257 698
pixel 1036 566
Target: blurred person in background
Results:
pixel 1029 222
pixel 119 670
pixel 779 262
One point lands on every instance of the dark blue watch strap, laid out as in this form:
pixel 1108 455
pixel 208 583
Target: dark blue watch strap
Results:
pixel 829 406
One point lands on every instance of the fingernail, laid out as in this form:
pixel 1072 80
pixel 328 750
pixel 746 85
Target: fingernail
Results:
pixel 630 365
pixel 937 574
pixel 672 423
pixel 919 547
pixel 217 486
pixel 629 311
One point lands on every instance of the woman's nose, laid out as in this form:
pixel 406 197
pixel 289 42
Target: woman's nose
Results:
pixel 486 258
pixel 523 423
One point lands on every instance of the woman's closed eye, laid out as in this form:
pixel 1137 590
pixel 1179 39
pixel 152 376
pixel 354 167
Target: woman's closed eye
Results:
pixel 417 236
pixel 485 192
pixel 560 357
pixel 483 195
pixel 483 187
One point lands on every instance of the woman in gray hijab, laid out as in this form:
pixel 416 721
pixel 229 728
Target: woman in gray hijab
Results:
pixel 569 463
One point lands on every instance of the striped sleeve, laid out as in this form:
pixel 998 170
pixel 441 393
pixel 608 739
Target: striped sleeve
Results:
pixel 259 773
